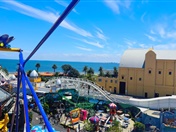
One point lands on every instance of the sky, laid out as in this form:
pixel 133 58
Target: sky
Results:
pixel 94 31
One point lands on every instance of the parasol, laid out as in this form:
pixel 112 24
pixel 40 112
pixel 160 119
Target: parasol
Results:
pixel 112 105
pixel 94 119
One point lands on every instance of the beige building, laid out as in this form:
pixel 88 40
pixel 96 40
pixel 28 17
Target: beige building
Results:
pixel 109 84
pixel 146 73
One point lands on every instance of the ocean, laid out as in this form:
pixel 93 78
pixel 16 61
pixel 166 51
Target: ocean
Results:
pixel 46 66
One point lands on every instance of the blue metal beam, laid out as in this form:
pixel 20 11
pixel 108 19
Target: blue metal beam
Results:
pixel 56 24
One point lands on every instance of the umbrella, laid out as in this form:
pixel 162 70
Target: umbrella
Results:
pixel 94 119
pixel 38 128
pixel 112 105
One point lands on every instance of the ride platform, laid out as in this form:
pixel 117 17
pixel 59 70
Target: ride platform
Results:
pixel 10 49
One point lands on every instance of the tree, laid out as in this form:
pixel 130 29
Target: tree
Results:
pixel 46 107
pixel 90 71
pixel 66 68
pixel 73 73
pixel 54 67
pixel 139 127
pixel 30 116
pixel 108 74
pixel 115 72
pixel 115 127
pixel 101 71
pixel 29 72
pixel 37 66
pixel 85 69
pixel 88 126
pixel 56 74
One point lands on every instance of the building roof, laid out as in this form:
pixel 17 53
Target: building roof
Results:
pixel 135 58
pixel 3 95
pixel 33 74
pixel 46 74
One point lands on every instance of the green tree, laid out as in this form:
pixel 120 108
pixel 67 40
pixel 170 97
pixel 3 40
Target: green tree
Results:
pixel 37 66
pixel 90 71
pixel 85 69
pixel 66 68
pixel 101 71
pixel 88 127
pixel 46 107
pixel 29 72
pixel 56 74
pixel 107 74
pixel 139 127
pixel 115 127
pixel 54 67
pixel 73 73
pixel 115 72
pixel 30 116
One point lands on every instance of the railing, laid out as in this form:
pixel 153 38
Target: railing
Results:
pixel 80 80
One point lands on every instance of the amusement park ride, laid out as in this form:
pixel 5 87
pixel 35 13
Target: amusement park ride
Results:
pixel 22 77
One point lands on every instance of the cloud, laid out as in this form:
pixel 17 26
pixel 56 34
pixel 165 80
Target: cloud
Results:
pixel 160 29
pixel 99 29
pixel 82 48
pixel 46 16
pixel 101 36
pixel 152 32
pixel 115 5
pixel 79 57
pixel 65 4
pixel 4 8
pixel 168 46
pixel 150 37
pixel 96 44
pixel 142 17
pixel 129 43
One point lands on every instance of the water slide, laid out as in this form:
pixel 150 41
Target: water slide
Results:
pixel 167 102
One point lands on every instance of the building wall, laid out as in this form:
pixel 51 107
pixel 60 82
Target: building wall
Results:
pixel 156 78
pixel 109 84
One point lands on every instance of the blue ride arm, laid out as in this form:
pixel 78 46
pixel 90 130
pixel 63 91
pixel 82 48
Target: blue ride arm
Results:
pixel 56 24
pixel 24 94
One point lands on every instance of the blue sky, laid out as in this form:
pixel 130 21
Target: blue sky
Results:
pixel 95 30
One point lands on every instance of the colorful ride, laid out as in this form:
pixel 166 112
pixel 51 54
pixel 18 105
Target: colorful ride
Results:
pixel 112 109
pixel 5 40
pixel 3 123
pixel 75 116
pixel 84 114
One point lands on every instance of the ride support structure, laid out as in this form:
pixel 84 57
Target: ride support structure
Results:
pixel 22 77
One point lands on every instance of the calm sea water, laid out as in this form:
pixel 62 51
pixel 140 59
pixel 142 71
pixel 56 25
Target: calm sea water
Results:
pixel 46 66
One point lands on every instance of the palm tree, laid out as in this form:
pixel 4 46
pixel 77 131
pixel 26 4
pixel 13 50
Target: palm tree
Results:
pixel 54 67
pixel 107 74
pixel 115 72
pixel 37 66
pixel 85 69
pixel 101 71
pixel 90 71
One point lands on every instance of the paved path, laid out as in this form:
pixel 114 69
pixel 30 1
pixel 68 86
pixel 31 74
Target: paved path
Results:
pixel 58 127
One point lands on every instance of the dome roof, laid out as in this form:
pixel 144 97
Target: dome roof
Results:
pixel 33 74
pixel 13 77
pixel 58 82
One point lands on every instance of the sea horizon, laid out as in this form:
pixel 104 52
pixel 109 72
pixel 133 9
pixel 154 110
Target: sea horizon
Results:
pixel 46 65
